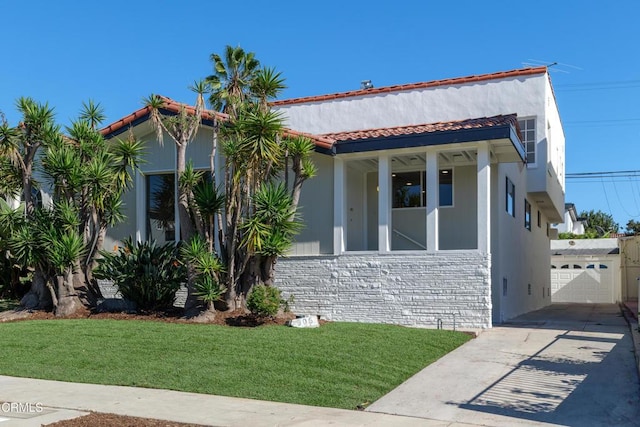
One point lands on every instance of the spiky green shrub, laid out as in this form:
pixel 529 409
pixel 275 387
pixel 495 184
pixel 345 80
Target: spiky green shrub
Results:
pixel 144 272
pixel 264 300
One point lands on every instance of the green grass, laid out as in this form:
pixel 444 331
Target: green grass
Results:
pixel 8 304
pixel 338 365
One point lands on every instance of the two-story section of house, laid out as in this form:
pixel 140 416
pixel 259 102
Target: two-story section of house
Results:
pixel 432 202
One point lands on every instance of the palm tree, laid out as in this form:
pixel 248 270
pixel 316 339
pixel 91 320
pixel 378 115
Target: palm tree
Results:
pixel 232 79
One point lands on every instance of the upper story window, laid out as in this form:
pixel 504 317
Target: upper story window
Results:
pixel 510 198
pixel 527 215
pixel 528 131
pixel 410 188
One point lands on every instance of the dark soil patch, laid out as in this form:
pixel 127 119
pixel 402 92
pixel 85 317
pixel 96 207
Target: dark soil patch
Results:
pixel 238 318
pixel 95 419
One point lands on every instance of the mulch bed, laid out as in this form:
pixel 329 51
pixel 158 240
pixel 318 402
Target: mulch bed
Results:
pixel 96 419
pixel 238 318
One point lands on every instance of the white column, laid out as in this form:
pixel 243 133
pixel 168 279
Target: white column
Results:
pixel 384 205
pixel 484 198
pixel 433 194
pixel 338 205
pixel 141 207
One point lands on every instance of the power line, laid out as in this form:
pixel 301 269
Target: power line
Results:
pixel 611 174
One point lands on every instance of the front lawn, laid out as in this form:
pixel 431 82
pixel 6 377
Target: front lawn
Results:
pixel 339 365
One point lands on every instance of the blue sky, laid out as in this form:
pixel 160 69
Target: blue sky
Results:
pixel 118 52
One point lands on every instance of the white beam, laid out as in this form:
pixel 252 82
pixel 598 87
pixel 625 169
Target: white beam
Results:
pixel 384 205
pixel 432 200
pixel 338 205
pixel 141 207
pixel 484 197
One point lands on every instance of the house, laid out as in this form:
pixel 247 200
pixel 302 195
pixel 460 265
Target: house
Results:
pixel 572 223
pixel 431 206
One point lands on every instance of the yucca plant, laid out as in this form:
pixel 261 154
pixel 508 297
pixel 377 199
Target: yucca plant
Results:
pixel 204 269
pixel 144 272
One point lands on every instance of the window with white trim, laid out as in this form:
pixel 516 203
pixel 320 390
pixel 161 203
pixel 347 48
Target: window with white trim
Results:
pixel 410 188
pixel 510 198
pixel 528 134
pixel 160 217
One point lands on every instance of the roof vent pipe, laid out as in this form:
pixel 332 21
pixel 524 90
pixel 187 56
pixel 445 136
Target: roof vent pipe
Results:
pixel 366 84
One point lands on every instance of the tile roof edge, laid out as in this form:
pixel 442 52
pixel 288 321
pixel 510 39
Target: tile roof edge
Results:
pixel 175 106
pixel 512 118
pixel 411 86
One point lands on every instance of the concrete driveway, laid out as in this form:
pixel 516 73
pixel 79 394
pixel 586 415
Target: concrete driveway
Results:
pixel 567 364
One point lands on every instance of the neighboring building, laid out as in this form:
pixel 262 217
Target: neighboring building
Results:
pixel 430 207
pixel 586 271
pixel 572 223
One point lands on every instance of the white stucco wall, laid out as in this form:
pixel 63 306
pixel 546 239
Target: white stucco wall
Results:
pixel 518 255
pixel 412 289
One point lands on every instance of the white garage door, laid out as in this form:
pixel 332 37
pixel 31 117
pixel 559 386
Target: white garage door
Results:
pixel 590 282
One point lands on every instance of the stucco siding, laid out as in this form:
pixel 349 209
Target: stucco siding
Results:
pixel 520 257
pixel 459 223
pixel 316 210
pixel 505 96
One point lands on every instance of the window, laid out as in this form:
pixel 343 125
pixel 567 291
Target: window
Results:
pixel 511 198
pixel 410 188
pixel 445 181
pixel 529 289
pixel 504 286
pixel 161 207
pixel 553 266
pixel 528 132
pixel 566 266
pixel 527 215
pixel 539 219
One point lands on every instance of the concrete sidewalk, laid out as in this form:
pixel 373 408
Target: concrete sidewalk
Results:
pixel 62 400
pixel 568 364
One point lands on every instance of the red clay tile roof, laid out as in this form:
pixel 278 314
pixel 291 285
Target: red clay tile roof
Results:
pixel 170 105
pixel 175 107
pixel 412 86
pixel 481 122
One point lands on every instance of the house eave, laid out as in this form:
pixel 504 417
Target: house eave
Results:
pixel 504 135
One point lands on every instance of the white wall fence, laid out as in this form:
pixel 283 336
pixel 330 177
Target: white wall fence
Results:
pixel 412 289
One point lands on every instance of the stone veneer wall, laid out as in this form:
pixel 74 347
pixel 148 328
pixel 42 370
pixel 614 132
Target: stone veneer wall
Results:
pixel 412 289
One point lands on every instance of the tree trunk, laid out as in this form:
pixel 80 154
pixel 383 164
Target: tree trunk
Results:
pixel 191 308
pixel 268 270
pixel 68 302
pixel 38 297
pixel 186 226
